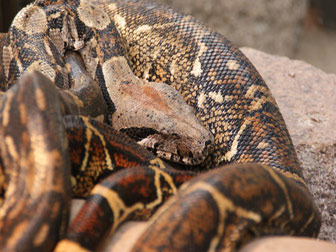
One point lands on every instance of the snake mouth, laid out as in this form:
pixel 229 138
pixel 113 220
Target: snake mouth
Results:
pixel 172 147
pixel 180 154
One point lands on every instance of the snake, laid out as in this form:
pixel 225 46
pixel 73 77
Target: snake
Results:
pixel 136 51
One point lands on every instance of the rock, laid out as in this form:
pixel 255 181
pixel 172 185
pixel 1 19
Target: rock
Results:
pixel 125 237
pixel 288 244
pixel 306 97
pixel 269 25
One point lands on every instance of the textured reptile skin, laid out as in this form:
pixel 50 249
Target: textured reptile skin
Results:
pixel 229 97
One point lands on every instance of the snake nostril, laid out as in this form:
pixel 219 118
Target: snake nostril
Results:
pixel 156 146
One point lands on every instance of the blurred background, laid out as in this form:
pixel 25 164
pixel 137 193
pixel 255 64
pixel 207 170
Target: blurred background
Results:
pixel 299 29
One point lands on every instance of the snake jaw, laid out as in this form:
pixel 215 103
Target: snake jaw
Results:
pixel 175 148
pixel 191 148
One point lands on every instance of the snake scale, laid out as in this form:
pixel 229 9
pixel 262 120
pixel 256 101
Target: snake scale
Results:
pixel 125 50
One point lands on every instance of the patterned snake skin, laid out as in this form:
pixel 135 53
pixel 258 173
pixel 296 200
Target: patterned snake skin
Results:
pixel 129 48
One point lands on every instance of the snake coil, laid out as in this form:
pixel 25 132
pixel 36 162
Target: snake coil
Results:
pixel 129 48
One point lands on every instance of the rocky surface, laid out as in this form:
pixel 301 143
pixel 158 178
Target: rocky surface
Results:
pixel 306 97
pixel 269 25
pixel 288 244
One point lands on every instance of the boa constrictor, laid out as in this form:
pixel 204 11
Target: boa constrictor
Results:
pixel 241 200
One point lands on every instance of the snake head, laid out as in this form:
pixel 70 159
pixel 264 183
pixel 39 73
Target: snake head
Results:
pixel 158 118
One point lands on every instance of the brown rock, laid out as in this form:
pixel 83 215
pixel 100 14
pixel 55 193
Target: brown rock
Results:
pixel 305 95
pixel 126 237
pixel 288 244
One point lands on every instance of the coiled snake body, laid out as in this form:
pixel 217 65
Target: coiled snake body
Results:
pixel 258 188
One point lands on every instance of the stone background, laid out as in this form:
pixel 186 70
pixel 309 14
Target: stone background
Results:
pixel 272 26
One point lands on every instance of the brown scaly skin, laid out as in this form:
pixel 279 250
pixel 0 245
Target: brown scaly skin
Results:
pixel 129 100
pixel 72 102
pixel 35 209
pixel 210 212
pixel 3 42
pixel 84 97
pixel 228 94
pixel 234 86
pixel 134 193
pixel 229 97
pixel 96 151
